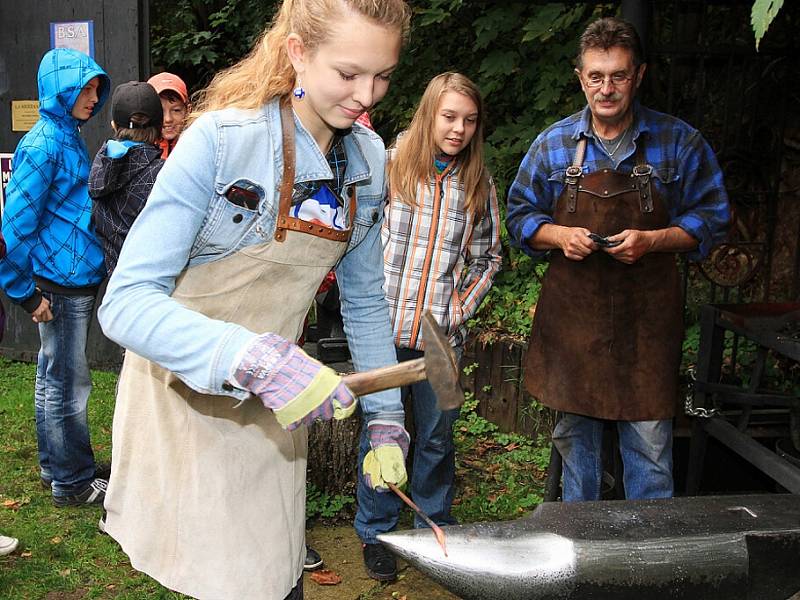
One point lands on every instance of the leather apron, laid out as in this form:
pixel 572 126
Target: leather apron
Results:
pixel 207 495
pixel 606 337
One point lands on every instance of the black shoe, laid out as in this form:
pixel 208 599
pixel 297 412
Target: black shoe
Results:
pixel 94 493
pixel 313 560
pixel 379 562
pixel 101 471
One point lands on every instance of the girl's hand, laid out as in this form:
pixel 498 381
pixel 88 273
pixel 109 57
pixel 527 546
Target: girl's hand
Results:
pixel 299 389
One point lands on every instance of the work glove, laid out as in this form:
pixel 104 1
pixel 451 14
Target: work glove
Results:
pixel 296 387
pixel 386 460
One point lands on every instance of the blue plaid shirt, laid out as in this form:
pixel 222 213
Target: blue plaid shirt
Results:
pixel 686 175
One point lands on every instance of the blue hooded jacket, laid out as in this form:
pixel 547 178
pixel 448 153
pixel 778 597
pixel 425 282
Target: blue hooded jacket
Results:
pixel 47 221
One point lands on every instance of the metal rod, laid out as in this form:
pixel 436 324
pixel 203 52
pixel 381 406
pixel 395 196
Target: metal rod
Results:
pixel 437 531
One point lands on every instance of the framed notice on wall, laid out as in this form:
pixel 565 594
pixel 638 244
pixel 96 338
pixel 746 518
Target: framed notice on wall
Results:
pixel 78 35
pixel 5 172
pixel 24 114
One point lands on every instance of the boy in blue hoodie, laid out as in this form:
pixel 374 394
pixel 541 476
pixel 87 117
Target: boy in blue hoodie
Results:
pixel 54 265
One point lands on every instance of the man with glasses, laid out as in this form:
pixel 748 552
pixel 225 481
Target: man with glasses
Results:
pixel 612 193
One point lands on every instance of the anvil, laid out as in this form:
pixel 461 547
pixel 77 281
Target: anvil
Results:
pixel 712 547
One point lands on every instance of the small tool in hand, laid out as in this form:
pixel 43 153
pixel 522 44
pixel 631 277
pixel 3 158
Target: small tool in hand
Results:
pixel 603 242
pixel 437 531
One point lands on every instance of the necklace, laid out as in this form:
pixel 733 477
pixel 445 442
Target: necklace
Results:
pixel 619 143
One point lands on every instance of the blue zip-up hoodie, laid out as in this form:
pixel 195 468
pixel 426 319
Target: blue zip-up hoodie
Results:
pixel 47 221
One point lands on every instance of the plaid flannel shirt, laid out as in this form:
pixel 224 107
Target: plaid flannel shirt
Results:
pixel 437 258
pixel 685 170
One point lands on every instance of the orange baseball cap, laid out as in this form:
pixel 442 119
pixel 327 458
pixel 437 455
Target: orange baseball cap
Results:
pixel 167 81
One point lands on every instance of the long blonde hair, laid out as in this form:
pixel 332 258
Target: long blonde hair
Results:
pixel 266 72
pixel 412 162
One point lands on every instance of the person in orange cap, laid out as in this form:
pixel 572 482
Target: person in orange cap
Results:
pixel 175 102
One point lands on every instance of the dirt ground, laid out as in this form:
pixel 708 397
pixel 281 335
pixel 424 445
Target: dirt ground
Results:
pixel 341 550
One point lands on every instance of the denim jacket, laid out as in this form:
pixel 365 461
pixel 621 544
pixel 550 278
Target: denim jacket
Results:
pixel 187 221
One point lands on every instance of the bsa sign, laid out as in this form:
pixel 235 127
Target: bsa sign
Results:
pixel 78 35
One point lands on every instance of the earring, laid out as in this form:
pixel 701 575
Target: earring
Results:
pixel 298 91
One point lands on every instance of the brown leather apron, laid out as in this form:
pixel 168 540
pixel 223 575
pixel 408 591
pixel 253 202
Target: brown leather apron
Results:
pixel 606 337
pixel 207 495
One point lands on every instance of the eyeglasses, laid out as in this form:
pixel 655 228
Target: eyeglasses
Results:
pixel 595 80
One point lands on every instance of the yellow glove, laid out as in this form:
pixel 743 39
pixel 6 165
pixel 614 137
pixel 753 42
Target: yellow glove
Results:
pixel 386 461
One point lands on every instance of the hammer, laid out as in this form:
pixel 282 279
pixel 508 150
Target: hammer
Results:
pixel 439 366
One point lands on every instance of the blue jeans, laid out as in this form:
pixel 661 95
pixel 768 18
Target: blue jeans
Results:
pixel 433 471
pixel 62 391
pixel 645 446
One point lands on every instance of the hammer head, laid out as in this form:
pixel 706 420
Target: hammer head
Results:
pixel 441 366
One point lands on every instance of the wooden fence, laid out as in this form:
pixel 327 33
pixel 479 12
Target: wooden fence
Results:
pixel 493 373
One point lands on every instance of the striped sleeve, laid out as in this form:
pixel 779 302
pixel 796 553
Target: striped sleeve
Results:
pixel 483 257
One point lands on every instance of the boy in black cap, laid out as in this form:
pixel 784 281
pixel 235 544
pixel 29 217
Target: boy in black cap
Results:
pixel 125 168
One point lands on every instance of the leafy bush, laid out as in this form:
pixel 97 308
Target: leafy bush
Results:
pixel 499 474
pixel 322 504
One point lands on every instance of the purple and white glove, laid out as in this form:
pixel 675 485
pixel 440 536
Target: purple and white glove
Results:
pixel 386 461
pixel 296 387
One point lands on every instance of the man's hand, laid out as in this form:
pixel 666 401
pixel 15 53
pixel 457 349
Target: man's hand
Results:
pixel 386 461
pixel 634 244
pixel 42 313
pixel 575 242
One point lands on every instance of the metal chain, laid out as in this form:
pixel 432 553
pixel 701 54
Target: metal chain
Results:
pixel 688 403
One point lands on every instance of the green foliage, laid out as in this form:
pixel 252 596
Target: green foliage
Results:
pixel 470 368
pixel 197 38
pixel 469 422
pixel 322 504
pixel 762 15
pixel 519 53
pixel 499 474
pixel 507 307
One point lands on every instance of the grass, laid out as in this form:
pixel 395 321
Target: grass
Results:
pixel 62 555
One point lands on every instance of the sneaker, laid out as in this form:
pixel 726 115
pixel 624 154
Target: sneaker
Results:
pixel 379 562
pixel 313 560
pixel 94 493
pixel 7 544
pixel 101 471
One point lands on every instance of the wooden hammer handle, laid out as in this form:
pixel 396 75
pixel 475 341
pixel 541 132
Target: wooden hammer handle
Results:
pixel 376 380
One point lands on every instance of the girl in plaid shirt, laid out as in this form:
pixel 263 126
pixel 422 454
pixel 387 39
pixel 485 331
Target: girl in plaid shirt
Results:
pixel 441 239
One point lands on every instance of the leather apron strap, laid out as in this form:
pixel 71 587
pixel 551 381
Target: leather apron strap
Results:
pixel 642 172
pixel 573 176
pixel 285 221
